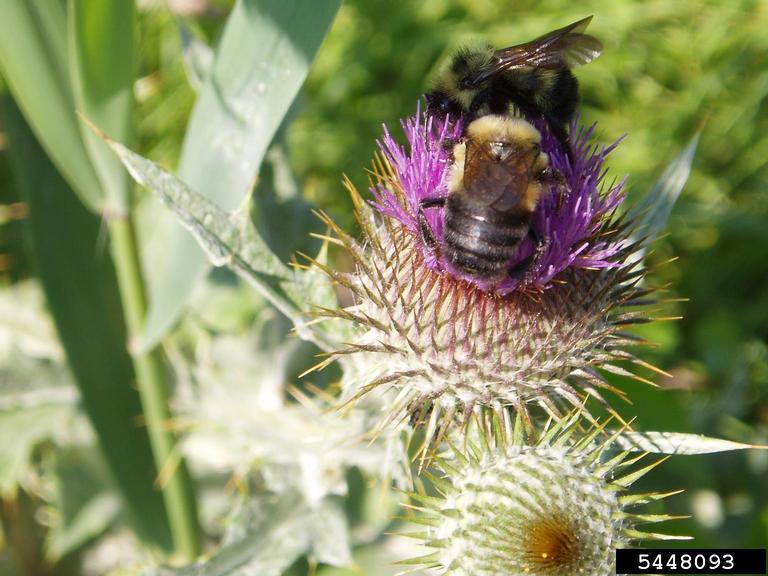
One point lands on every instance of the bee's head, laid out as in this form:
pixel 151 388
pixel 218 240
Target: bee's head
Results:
pixel 440 103
pixel 466 63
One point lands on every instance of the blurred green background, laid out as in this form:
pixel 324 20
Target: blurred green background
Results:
pixel 668 70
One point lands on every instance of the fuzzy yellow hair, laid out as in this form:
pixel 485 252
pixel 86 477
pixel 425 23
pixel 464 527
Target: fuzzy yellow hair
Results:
pixel 492 128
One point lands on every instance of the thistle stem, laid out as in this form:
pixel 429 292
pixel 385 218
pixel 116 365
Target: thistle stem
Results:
pixel 175 481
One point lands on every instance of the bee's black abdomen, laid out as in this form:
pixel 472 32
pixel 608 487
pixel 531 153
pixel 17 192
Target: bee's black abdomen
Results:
pixel 479 240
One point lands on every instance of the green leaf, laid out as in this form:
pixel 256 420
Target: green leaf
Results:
pixel 79 282
pixel 83 498
pixel 37 394
pixel 33 62
pixel 231 240
pixel 26 333
pixel 265 54
pixel 283 217
pixel 28 427
pixel 653 211
pixel 198 56
pixel 102 70
pixel 270 533
pixel 677 443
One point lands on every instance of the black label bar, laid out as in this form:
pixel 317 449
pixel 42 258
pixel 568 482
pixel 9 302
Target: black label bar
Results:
pixel 691 561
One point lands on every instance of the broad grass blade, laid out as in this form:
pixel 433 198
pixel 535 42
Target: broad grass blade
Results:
pixel 33 50
pixel 102 69
pixel 79 282
pixel 260 64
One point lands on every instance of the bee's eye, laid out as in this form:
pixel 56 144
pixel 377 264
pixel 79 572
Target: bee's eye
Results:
pixel 450 108
pixel 466 83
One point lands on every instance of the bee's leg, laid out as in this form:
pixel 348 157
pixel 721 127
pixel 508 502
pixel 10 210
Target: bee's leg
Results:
pixel 520 268
pixel 552 175
pixel 558 131
pixel 541 243
pixel 519 271
pixel 427 235
pixel 523 268
pixel 447 144
pixel 432 203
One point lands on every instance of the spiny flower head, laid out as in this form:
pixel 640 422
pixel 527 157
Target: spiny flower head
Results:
pixel 448 344
pixel 556 506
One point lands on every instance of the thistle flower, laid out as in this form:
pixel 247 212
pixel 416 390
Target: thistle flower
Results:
pixel 447 343
pixel 555 507
pixel 572 224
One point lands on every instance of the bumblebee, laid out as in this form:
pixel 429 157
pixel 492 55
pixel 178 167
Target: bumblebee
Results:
pixel 534 78
pixel 494 184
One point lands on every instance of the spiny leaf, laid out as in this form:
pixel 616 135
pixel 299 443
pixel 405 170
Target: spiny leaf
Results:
pixel 83 497
pixel 231 240
pixel 270 534
pixel 677 443
pixel 28 426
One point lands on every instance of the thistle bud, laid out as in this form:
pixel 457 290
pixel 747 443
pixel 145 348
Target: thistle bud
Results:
pixel 554 507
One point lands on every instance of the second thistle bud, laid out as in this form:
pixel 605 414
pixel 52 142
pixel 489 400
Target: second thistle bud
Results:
pixel 554 507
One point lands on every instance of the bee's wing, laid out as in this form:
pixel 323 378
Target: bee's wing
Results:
pixel 564 48
pixel 499 185
pixel 568 51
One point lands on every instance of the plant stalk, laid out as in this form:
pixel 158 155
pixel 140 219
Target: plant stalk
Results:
pixel 174 479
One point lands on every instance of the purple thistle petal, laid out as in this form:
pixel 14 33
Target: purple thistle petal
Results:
pixel 569 222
